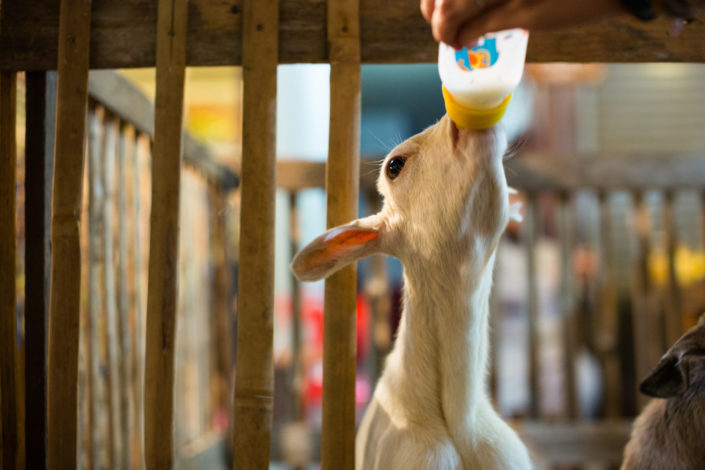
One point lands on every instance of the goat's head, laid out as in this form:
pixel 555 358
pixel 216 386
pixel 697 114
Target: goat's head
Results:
pixel 681 368
pixel 445 196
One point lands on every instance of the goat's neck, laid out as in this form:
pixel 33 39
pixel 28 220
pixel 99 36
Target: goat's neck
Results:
pixel 439 363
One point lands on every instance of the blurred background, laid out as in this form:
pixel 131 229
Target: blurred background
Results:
pixel 590 290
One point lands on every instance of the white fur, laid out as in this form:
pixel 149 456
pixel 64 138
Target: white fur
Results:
pixel 442 218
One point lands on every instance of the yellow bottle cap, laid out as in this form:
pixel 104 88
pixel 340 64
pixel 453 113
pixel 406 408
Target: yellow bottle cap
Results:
pixel 465 117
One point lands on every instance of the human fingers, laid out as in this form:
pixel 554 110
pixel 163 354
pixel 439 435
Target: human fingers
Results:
pixel 426 7
pixel 449 15
pixel 502 16
pixel 537 15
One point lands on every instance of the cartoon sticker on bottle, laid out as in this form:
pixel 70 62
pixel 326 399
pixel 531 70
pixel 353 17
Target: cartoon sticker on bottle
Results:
pixel 482 56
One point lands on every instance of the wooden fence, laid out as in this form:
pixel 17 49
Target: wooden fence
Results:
pixel 171 34
pixel 114 211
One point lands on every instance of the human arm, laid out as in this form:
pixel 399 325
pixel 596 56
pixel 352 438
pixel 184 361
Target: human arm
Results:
pixel 458 22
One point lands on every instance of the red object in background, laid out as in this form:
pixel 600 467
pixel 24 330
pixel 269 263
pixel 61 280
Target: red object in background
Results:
pixel 312 321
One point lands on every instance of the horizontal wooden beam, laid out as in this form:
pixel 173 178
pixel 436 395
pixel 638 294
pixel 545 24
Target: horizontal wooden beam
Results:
pixel 544 172
pixel 391 31
pixel 541 171
pixel 576 443
pixel 122 98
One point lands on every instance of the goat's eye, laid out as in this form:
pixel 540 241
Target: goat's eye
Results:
pixel 394 167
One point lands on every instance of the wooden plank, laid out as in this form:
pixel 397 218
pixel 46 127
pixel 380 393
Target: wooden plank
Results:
pixel 123 296
pixel 576 443
pixel 532 231
pixel 222 296
pixel 98 449
pixel 565 219
pixel 297 373
pixel 674 311
pixel 560 172
pixel 641 311
pixel 607 301
pixel 342 187
pixel 162 294
pixel 124 99
pixel 138 165
pixel 390 32
pixel 65 290
pixel 254 380
pixel 109 298
pixel 39 162
pixel 545 171
pixel 85 436
pixel 9 353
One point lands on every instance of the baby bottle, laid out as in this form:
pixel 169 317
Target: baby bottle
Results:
pixel 478 82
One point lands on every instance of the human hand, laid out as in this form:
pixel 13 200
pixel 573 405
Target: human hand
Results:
pixel 459 22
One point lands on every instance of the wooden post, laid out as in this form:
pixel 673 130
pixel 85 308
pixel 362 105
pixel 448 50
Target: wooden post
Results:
pixel 674 319
pixel 607 300
pixel 254 380
pixel 39 162
pixel 567 305
pixel 65 295
pixel 123 299
pixel 164 235
pixel 342 180
pixel 8 244
pixel 532 227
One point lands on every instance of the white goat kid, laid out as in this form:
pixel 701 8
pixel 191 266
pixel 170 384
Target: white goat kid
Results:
pixel 446 205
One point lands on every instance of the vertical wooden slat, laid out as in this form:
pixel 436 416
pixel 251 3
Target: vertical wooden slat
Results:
pixel 641 313
pixel 221 296
pixel 8 247
pixel 296 365
pixel 39 158
pixel 65 295
pixel 164 235
pixel 123 299
pixel 674 320
pixel 109 298
pixel 608 312
pixel 567 305
pixel 138 351
pixel 342 180
pixel 254 381
pixel 98 449
pixel 84 436
pixel 532 224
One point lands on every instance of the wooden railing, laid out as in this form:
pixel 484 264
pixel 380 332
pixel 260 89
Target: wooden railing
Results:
pixel 114 225
pixel 169 35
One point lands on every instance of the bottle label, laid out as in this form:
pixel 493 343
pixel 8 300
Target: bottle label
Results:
pixel 482 56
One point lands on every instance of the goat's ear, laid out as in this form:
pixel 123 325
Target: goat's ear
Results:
pixel 669 378
pixel 337 248
pixel 682 365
